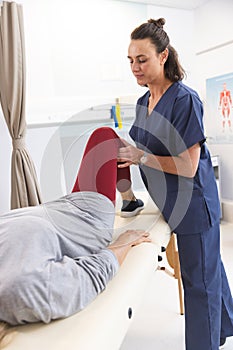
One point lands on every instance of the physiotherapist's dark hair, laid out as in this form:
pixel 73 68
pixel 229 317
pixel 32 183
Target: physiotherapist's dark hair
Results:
pixel 153 30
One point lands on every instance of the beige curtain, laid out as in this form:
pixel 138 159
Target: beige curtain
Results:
pixel 24 185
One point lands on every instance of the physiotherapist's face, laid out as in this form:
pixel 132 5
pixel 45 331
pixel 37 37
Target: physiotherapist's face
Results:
pixel 146 64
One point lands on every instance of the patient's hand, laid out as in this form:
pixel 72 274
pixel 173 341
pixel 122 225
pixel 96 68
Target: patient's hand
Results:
pixel 126 241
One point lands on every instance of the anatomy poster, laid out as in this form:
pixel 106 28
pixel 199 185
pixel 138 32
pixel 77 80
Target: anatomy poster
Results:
pixel 219 109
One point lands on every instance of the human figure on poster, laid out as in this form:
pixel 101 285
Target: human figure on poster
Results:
pixel 225 104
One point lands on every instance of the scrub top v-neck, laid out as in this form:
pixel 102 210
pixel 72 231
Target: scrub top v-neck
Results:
pixel 174 125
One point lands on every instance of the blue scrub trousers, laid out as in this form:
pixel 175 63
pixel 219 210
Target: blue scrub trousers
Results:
pixel 207 296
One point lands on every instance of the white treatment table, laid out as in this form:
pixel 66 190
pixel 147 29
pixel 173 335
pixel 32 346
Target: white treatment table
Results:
pixel 103 324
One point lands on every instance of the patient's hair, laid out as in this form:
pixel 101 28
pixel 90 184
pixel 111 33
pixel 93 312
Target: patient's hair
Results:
pixel 5 331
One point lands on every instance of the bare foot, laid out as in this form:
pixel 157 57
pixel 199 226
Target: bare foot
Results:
pixel 126 241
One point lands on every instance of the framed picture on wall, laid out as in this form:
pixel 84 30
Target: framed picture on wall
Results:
pixel 219 109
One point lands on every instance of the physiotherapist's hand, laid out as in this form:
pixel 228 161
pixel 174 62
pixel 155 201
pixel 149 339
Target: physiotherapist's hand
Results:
pixel 129 155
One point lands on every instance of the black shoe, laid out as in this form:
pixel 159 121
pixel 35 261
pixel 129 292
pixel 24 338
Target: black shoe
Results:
pixel 222 342
pixel 131 208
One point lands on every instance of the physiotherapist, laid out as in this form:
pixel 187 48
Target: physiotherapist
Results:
pixel 176 168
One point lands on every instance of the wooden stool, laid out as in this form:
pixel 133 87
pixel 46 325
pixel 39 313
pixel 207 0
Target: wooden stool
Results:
pixel 174 262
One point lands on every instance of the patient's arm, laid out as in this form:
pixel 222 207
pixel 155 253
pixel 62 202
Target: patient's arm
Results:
pixel 6 334
pixel 126 241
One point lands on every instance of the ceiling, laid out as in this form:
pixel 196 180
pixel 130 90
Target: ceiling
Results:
pixel 179 4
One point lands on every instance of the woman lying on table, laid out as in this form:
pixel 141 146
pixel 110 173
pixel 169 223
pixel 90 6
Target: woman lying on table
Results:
pixel 55 258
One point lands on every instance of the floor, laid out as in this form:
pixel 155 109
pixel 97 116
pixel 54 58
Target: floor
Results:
pixel 157 324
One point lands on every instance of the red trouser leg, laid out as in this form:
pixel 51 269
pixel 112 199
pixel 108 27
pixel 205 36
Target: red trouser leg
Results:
pixel 98 171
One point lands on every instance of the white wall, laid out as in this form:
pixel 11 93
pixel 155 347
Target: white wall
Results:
pixel 77 54
pixel 214 52
pixel 213 40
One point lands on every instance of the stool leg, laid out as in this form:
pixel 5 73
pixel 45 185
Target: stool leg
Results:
pixel 178 277
pixel 174 262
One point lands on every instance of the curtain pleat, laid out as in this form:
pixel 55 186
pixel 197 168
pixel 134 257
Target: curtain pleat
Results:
pixel 24 184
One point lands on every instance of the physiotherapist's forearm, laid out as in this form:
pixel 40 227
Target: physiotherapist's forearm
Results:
pixel 185 164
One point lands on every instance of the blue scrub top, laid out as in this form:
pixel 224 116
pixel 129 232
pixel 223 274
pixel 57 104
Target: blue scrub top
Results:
pixel 176 123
